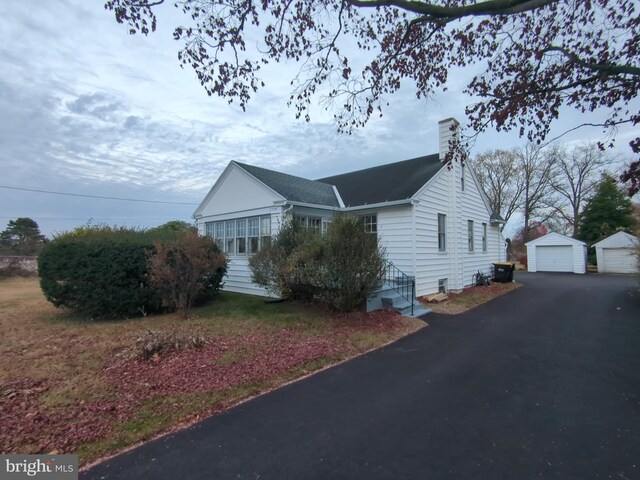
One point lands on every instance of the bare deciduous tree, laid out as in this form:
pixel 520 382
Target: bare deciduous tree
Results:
pixel 574 177
pixel 500 176
pixel 536 164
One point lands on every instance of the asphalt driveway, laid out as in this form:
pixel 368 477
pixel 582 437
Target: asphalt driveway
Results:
pixel 543 382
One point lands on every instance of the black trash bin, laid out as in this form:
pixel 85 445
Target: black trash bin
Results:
pixel 503 272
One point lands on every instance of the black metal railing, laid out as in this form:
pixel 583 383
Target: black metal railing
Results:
pixel 400 282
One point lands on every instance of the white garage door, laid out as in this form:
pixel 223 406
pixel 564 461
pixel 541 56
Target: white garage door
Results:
pixel 554 258
pixel 619 260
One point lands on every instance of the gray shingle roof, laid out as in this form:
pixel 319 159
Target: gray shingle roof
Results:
pixel 394 181
pixel 295 189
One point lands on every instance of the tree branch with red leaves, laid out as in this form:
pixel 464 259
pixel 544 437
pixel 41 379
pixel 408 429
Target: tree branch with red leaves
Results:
pixel 536 55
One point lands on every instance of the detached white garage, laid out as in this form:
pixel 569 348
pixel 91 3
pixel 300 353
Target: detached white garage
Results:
pixel 556 253
pixel 617 254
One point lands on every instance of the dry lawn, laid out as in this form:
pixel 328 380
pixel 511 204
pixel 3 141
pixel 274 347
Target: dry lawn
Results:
pixel 470 297
pixel 73 385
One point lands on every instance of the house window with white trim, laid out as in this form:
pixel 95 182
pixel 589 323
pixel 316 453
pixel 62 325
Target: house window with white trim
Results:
pixel 442 232
pixel 230 237
pixel 253 233
pixel 325 225
pixel 315 223
pixel 241 236
pixel 470 234
pixel 442 285
pixel 462 178
pixel 218 235
pixel 370 223
pixel 484 237
pixel 265 231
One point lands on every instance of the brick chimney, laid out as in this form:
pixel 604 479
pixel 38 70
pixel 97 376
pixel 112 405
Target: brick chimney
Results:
pixel 448 129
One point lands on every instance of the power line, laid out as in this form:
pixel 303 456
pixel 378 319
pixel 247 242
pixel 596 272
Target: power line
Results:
pixel 89 217
pixel 95 196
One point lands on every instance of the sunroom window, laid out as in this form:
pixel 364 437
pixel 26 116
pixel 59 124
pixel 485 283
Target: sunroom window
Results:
pixel 241 236
pixel 254 234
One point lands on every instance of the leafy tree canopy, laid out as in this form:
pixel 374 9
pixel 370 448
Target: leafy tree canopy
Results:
pixel 534 55
pixel 174 226
pixel 22 237
pixel 606 213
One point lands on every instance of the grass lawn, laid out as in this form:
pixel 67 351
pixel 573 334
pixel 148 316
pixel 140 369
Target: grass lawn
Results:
pixel 73 385
pixel 470 297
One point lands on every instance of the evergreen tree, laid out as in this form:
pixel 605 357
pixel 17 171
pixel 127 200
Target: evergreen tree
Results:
pixel 22 237
pixel 608 211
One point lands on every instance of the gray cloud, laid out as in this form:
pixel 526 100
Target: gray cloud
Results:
pixel 98 105
pixel 86 108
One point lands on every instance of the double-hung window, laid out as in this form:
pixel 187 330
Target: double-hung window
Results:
pixel 470 234
pixel 442 232
pixel 254 234
pixel 484 237
pixel 230 236
pixel 265 231
pixel 241 236
pixel 315 223
pixel 219 235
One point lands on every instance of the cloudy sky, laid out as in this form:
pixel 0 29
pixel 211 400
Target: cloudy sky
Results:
pixel 87 109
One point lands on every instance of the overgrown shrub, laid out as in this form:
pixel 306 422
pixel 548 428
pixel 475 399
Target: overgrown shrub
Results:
pixel 340 269
pixel 156 344
pixel 185 270
pixel 353 264
pixel 102 271
pixel 288 266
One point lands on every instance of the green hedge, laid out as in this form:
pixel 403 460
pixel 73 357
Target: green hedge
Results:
pixel 102 271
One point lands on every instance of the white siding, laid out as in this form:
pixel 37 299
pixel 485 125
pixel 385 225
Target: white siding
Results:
pixel 443 194
pixel 237 191
pixel 395 234
pixel 474 208
pixel 431 264
pixel 238 277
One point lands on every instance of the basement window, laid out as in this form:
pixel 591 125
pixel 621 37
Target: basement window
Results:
pixel 442 285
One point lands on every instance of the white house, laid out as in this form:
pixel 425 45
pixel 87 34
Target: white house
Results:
pixel 433 219
pixel 617 253
pixel 556 253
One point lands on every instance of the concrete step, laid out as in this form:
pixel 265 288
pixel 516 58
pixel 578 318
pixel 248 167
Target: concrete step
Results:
pixel 418 310
pixel 395 301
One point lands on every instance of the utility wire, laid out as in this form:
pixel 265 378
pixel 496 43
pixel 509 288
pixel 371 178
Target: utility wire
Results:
pixel 96 196
pixel 89 217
